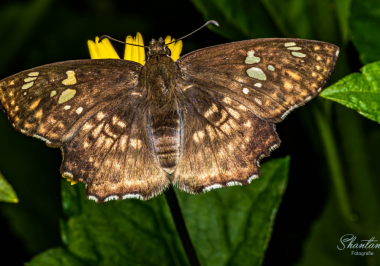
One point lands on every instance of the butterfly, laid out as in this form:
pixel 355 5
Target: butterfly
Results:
pixel 200 123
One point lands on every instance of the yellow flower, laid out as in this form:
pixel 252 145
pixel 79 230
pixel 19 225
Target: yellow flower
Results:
pixel 70 180
pixel 105 50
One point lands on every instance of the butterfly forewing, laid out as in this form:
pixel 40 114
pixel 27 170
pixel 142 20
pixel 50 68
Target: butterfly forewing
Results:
pixel 269 76
pixel 52 102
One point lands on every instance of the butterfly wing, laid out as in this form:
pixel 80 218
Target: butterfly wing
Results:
pixel 270 77
pixel 223 141
pixel 88 109
pixel 230 97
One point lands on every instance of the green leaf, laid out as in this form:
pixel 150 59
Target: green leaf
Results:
pixel 233 226
pixel 364 24
pixel 7 194
pixel 238 19
pixel 128 232
pixel 360 92
pixel 55 257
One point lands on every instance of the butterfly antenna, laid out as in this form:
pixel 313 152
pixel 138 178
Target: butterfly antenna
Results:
pixel 110 38
pixel 207 23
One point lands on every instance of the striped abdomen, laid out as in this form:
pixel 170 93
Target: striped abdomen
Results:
pixel 166 139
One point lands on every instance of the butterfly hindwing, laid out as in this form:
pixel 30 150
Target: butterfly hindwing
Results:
pixel 113 154
pixel 223 141
pixel 52 102
pixel 271 77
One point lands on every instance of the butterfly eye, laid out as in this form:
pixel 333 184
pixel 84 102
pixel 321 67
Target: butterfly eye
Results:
pixel 168 51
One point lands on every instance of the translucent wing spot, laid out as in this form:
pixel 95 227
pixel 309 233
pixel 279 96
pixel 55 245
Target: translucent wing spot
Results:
pixel 258 85
pixel 30 79
pixel 11 83
pixel 297 54
pixel 79 110
pixel 215 186
pixel 294 48
pixel 318 67
pixel 256 73
pixel 66 95
pixel 33 74
pixel 67 107
pixel 290 44
pixel 245 91
pixel 319 58
pixel 251 58
pixel 270 68
pixel 27 85
pixel 53 93
pixel 198 136
pixel 316 48
pixel 70 78
pixel 258 101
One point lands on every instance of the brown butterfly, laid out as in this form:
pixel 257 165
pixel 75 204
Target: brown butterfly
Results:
pixel 200 123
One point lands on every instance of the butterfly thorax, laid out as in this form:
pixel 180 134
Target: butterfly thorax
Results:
pixel 160 76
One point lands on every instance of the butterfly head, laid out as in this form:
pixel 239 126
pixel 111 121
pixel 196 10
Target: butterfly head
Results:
pixel 158 48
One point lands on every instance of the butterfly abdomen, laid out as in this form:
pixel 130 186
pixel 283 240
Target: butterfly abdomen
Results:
pixel 166 139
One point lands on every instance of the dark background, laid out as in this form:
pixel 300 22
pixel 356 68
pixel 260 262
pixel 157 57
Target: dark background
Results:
pixel 39 32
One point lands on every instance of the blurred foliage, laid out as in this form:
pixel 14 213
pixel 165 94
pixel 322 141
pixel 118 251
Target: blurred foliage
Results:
pixel 124 232
pixel 364 22
pixel 7 194
pixel 333 180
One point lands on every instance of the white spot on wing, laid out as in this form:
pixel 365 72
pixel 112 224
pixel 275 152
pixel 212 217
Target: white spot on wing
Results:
pixel 245 91
pixel 294 48
pixel 66 95
pixel 256 73
pixel 93 198
pixel 27 85
pixel 290 44
pixel 252 178
pixel 79 110
pixel 33 74
pixel 270 67
pixel 30 79
pixel 67 107
pixel 70 78
pixel 258 101
pixel 251 58
pixel 53 93
pixel 132 196
pixel 215 186
pixel 234 183
pixel 114 197
pixel 297 54
pixel 258 85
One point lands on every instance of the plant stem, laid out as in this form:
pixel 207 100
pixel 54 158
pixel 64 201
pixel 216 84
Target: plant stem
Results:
pixel 176 212
pixel 334 164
